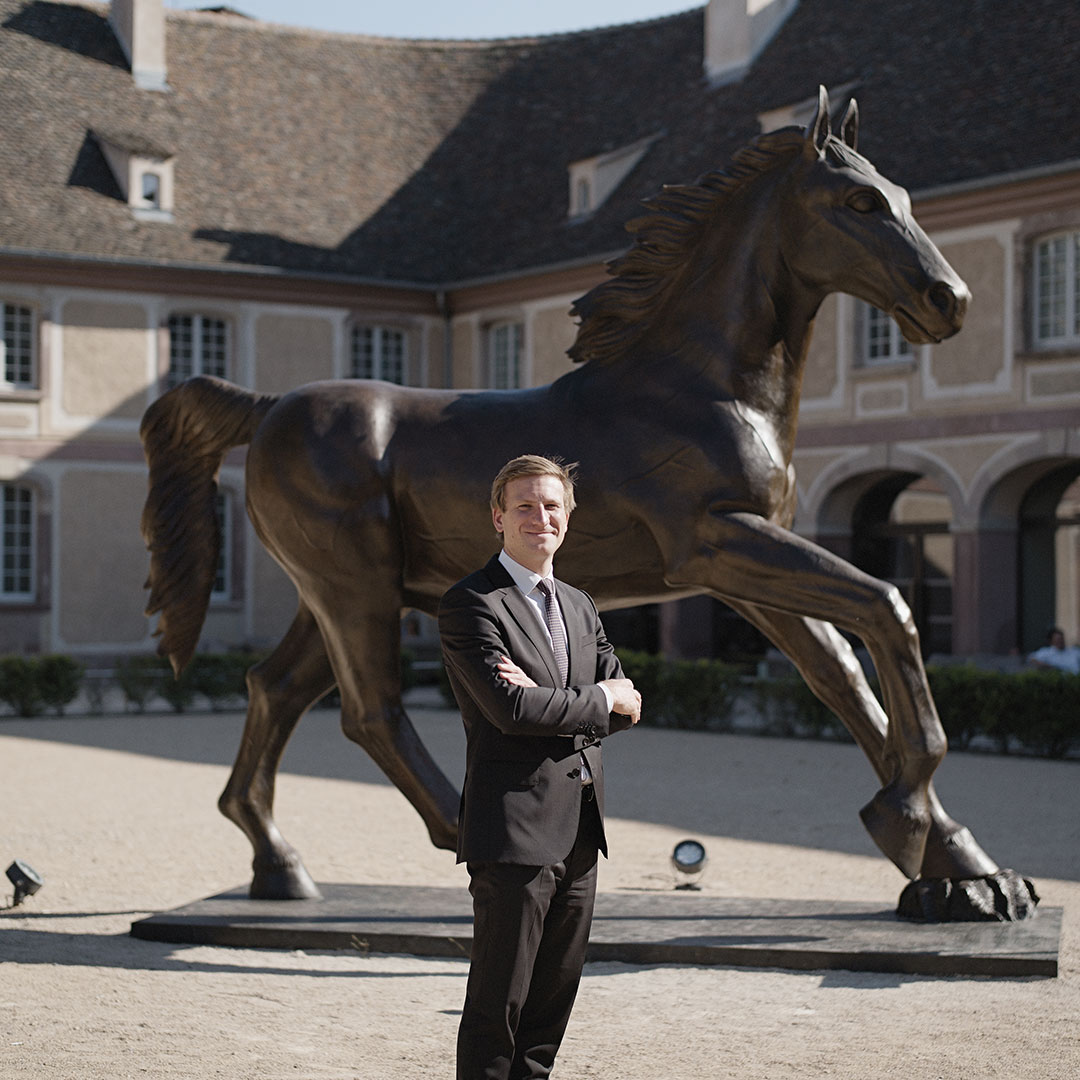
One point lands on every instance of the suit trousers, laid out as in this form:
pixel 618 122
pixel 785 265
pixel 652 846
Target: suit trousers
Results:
pixel 530 930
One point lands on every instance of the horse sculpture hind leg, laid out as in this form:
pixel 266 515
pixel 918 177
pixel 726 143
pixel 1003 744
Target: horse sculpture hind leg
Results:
pixel 361 627
pixel 280 690
pixel 826 661
pixel 323 508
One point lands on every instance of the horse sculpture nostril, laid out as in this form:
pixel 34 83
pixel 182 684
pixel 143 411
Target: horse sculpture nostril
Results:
pixel 951 303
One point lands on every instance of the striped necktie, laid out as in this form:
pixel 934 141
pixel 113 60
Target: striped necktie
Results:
pixel 555 628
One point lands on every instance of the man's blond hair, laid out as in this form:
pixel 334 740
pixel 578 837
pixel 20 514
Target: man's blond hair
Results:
pixel 534 465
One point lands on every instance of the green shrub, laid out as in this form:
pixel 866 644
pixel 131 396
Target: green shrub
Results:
pixel 1049 723
pixel 59 679
pixel 141 679
pixel 646 672
pixel 220 677
pixel 699 694
pixel 965 698
pixel 19 685
pixel 694 694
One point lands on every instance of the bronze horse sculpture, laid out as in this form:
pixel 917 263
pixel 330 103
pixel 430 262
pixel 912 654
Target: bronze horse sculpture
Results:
pixel 682 414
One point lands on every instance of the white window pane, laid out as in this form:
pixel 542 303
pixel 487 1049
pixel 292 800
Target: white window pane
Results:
pixel 17 543
pixel 197 346
pixel 1050 288
pixel 506 349
pixel 18 345
pixel 393 356
pixel 362 360
pixel 214 347
pixel 181 348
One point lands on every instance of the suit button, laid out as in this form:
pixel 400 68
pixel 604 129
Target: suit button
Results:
pixel 574 774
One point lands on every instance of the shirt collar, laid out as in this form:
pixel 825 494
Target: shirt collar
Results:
pixel 524 579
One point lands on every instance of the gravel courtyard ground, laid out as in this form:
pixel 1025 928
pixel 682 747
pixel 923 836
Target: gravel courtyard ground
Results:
pixel 118 814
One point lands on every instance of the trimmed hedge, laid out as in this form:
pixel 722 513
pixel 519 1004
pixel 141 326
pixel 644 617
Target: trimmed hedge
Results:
pixel 1037 710
pixel 31 684
pixel 697 695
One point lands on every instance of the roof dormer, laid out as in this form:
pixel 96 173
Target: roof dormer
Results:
pixel 139 26
pixel 800 113
pixel 593 179
pixel 736 31
pixel 144 173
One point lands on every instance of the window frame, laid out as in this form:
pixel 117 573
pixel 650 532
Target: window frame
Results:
pixel 9 308
pixel 226 569
pixel 869 322
pixel 1069 336
pixel 381 358
pixel 28 545
pixel 201 324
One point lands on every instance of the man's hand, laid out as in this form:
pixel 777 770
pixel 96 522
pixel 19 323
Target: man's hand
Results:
pixel 625 699
pixel 511 673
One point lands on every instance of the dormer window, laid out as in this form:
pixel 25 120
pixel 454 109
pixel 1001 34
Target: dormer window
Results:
pixel 151 190
pixel 800 113
pixel 583 201
pixel 593 179
pixel 143 171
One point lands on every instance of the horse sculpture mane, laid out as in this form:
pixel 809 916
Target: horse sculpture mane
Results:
pixel 615 313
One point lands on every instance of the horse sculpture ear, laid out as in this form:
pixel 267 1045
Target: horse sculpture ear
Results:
pixel 817 132
pixel 849 126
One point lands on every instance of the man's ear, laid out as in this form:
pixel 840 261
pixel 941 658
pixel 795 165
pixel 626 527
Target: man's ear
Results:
pixel 496 519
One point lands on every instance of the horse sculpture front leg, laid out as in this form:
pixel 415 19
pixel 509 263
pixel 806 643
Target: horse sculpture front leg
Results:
pixel 747 559
pixel 831 670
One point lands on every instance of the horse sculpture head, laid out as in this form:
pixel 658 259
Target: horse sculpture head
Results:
pixel 854 232
pixel 801 213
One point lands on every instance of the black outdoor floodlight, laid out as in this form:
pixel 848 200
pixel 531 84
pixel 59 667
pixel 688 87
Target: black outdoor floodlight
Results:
pixel 26 880
pixel 689 858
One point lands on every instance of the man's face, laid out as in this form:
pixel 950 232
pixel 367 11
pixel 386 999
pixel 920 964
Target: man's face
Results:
pixel 533 525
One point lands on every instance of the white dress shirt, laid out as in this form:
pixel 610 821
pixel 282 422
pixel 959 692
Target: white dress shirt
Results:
pixel 526 581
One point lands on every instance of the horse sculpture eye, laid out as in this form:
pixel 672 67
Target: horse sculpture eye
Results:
pixel 865 202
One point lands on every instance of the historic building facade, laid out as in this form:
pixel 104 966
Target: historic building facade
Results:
pixel 200 192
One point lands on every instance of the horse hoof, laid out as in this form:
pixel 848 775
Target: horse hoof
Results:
pixel 1003 896
pixel 955 854
pixel 899 827
pixel 282 880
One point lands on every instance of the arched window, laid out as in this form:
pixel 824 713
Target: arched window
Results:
pixel 901 532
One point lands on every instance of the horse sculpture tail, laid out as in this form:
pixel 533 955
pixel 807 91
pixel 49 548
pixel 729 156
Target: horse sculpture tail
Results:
pixel 186 434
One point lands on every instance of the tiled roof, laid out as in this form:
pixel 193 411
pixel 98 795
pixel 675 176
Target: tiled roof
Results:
pixel 440 162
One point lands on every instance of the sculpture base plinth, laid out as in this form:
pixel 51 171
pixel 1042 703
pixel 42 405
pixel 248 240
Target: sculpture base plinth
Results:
pixel 669 927
pixel 1001 897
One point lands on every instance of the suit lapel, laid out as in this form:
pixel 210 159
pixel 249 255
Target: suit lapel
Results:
pixel 575 632
pixel 521 614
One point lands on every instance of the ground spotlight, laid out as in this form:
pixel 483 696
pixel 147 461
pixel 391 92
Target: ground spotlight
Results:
pixel 689 860
pixel 26 880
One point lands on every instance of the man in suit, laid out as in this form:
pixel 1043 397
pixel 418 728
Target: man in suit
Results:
pixel 538 685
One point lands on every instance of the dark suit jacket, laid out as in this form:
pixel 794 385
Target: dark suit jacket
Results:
pixel 522 794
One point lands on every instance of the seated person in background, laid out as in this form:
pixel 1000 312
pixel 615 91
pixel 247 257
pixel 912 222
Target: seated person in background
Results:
pixel 1054 654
